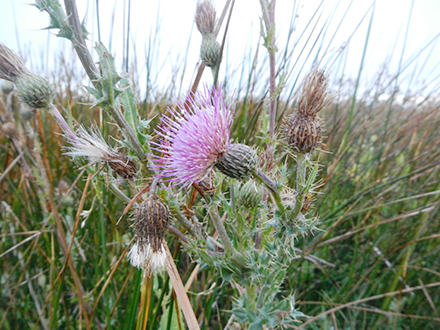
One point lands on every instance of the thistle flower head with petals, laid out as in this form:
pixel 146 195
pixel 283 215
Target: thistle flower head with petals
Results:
pixel 193 138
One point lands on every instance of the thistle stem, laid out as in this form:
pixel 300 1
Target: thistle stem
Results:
pixel 268 11
pixel 262 177
pixel 301 172
pixel 236 256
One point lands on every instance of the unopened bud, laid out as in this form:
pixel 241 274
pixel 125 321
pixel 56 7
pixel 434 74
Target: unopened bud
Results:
pixel 34 90
pixel 238 162
pixel 210 51
pixel 250 194
pixel 26 112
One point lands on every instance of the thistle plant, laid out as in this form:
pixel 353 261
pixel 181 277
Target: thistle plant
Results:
pixel 247 205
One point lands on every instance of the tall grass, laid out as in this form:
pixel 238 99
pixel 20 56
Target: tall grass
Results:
pixel 373 263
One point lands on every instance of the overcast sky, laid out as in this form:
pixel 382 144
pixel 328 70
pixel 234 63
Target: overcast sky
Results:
pixel 172 22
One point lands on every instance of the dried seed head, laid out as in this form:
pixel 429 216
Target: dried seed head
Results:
pixel 210 51
pixel 11 65
pixel 238 162
pixel 250 194
pixel 303 133
pixel 315 94
pixel 205 17
pixel 93 146
pixel 122 166
pixel 304 128
pixel 151 220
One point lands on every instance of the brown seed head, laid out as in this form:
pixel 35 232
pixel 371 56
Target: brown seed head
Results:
pixel 122 166
pixel 304 128
pixel 151 221
pixel 303 133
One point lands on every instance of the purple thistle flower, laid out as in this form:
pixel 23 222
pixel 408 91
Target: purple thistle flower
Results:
pixel 193 138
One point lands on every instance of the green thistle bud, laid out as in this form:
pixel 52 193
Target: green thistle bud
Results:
pixel 250 194
pixel 210 51
pixel 238 162
pixel 34 90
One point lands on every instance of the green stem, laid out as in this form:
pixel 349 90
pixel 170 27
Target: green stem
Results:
pixel 236 256
pixel 301 171
pixel 183 220
pixel 262 177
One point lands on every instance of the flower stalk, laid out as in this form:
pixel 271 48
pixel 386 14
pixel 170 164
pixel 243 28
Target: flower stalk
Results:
pixel 263 178
pixel 268 33
pixel 230 250
pixel 301 174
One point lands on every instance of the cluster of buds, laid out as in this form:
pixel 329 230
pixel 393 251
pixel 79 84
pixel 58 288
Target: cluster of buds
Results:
pixel 206 23
pixel 32 89
pixel 151 219
pixel 304 128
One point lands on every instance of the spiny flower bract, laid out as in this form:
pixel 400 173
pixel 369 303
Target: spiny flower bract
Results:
pixel 193 138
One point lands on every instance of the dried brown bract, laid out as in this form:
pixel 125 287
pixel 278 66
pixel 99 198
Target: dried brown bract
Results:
pixel 304 128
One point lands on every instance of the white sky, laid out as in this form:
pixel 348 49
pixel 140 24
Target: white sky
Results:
pixel 171 21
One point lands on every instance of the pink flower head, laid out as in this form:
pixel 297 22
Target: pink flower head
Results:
pixel 193 138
